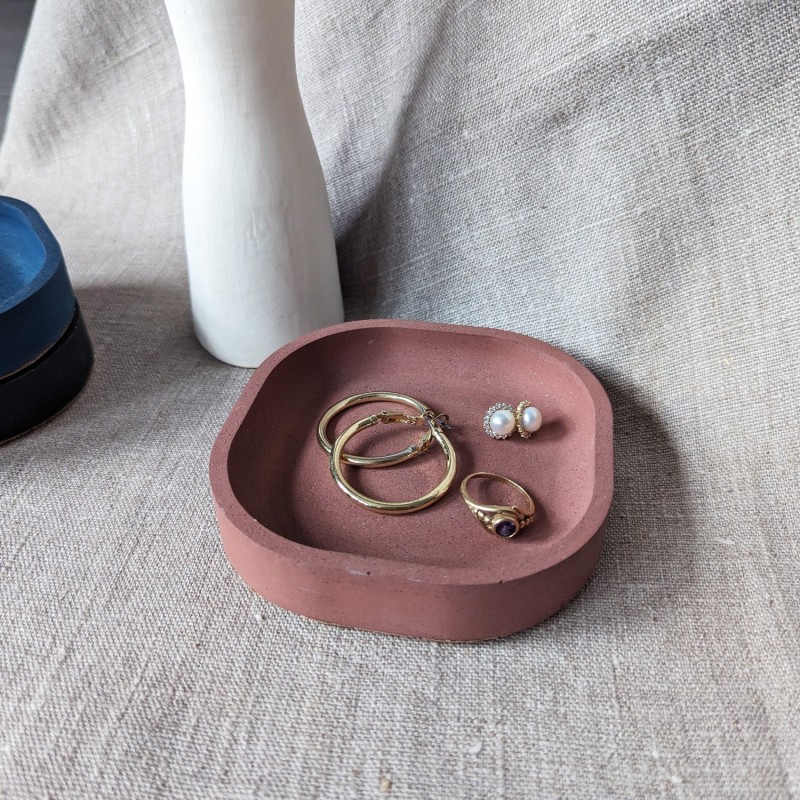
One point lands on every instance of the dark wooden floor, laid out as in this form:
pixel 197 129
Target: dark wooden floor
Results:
pixel 14 18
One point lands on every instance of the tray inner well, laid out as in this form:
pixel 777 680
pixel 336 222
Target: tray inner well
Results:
pixel 281 476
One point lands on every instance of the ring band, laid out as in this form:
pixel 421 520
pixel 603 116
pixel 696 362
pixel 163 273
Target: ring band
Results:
pixel 407 506
pixel 503 521
pixel 375 461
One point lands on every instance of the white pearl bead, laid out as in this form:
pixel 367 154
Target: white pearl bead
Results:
pixel 531 419
pixel 502 422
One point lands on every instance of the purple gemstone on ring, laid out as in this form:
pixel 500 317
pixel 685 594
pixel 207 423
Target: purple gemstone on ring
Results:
pixel 505 528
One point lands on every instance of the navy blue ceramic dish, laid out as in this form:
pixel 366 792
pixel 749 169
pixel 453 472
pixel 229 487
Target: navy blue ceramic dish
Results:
pixel 37 303
pixel 32 395
pixel 45 353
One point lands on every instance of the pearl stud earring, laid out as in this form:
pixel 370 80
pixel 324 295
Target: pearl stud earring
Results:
pixel 499 421
pixel 528 419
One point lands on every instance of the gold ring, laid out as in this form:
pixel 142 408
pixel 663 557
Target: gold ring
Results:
pixel 377 461
pixel 505 521
pixel 434 423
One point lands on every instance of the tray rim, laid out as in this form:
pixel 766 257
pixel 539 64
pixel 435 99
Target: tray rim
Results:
pixel 319 560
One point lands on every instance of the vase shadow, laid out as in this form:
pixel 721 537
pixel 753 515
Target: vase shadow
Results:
pixel 362 267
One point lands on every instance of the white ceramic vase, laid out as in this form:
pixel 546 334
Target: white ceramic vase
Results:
pixel 259 240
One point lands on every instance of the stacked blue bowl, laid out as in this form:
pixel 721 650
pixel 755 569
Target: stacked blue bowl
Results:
pixel 45 352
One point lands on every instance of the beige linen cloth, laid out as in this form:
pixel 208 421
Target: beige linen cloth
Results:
pixel 620 179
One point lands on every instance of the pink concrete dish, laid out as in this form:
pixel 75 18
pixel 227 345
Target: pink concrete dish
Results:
pixel 295 539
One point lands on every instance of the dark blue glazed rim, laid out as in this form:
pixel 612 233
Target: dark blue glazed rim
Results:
pixel 37 303
pixel 32 395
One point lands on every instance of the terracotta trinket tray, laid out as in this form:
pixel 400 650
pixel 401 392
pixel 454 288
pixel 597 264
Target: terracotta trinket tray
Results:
pixel 298 541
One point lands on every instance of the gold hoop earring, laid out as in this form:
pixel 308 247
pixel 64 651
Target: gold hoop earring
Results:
pixel 435 424
pixel 374 462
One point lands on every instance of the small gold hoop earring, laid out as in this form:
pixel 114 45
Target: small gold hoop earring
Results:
pixel 434 423
pixel 503 521
pixel 374 462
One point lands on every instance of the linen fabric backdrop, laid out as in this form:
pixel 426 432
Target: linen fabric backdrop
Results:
pixel 619 179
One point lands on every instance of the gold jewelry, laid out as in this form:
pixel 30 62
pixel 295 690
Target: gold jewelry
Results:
pixel 375 461
pixel 435 424
pixel 528 419
pixel 505 521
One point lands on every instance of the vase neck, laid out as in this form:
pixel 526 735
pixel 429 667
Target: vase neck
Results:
pixel 235 46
